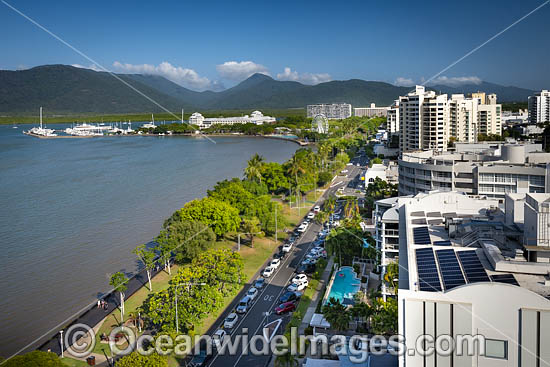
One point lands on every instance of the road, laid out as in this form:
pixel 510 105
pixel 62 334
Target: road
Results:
pixel 268 299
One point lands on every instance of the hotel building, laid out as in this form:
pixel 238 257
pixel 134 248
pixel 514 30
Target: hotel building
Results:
pixel 255 117
pixel 334 111
pixel 539 107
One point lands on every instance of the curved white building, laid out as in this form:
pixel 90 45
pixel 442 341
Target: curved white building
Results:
pixel 255 117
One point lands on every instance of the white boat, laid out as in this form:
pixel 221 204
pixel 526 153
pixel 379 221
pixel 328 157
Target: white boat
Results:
pixel 87 130
pixel 150 125
pixel 41 131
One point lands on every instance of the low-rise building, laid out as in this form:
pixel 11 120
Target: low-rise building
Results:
pixel 371 111
pixel 333 111
pixel 255 117
pixel 491 169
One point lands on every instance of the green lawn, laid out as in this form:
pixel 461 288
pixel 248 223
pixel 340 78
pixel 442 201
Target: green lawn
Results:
pixel 73 362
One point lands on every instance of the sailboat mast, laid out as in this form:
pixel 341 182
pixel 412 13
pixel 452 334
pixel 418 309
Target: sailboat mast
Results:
pixel 182 115
pixel 41 117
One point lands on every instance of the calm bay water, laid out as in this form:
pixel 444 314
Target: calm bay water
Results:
pixel 72 211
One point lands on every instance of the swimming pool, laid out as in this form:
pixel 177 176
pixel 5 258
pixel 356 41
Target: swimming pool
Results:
pixel 344 285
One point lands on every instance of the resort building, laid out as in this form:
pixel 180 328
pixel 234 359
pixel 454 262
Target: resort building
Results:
pixel 463 271
pixel 539 107
pixel 334 111
pixel 255 117
pixel 491 169
pixel 489 119
pixel 463 118
pixel 371 111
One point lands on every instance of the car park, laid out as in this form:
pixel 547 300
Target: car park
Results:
pixel 230 321
pixel 252 293
pixel 259 283
pixel 243 305
pixel 268 272
pixel 287 247
pixel 275 263
pixel 285 307
pixel 290 296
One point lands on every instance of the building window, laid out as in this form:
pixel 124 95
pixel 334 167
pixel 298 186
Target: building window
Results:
pixel 496 348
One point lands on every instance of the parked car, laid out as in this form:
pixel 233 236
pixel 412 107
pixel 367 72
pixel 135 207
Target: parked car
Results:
pixel 285 307
pixel 275 263
pixel 310 215
pixel 302 229
pixel 201 358
pixel 317 209
pixel 290 296
pixel 217 338
pixel 252 293
pixel 281 254
pixel 259 283
pixel 297 287
pixel 308 262
pixel 231 321
pixel 244 305
pixel 307 269
pixel 300 278
pixel 268 272
pixel 287 247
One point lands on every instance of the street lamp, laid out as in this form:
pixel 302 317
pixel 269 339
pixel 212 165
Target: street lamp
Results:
pixel 176 294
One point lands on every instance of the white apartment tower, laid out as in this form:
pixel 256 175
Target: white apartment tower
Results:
pixel 539 107
pixel 334 111
pixel 489 119
pixel 463 114
pixel 423 117
pixel 393 118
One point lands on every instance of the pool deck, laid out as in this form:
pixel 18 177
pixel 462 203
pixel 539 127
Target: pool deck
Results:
pixel 332 279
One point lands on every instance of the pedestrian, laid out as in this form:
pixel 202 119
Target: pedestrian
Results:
pixel 98 303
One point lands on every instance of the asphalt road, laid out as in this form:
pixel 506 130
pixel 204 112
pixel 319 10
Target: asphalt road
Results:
pixel 255 319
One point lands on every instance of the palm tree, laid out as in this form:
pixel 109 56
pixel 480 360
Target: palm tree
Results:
pixel 286 360
pixel 294 169
pixel 351 207
pixel 253 171
pixel 336 314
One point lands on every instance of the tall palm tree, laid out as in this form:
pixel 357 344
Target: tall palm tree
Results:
pixel 336 314
pixel 294 169
pixel 253 170
pixel 351 207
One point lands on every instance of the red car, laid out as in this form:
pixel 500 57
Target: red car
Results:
pixel 285 307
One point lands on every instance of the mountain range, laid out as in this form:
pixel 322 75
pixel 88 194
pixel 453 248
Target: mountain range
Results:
pixel 64 89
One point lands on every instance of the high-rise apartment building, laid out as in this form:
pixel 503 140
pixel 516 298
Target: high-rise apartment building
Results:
pixel 539 107
pixel 423 117
pixel 463 115
pixel 393 118
pixel 334 111
pixel 489 119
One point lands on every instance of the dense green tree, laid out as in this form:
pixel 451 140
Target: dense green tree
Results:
pixel 384 318
pixel 234 193
pixel 324 177
pixel 164 249
pixel 35 359
pixel 251 226
pixel 392 275
pixel 219 215
pixel 345 243
pixel 188 239
pixel 147 258
pixel 274 177
pixel 135 359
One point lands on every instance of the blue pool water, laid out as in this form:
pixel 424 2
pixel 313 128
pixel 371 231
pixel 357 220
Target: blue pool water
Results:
pixel 345 284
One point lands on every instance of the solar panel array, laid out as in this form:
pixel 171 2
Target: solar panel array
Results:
pixel 504 278
pixel 421 236
pixel 428 276
pixel 450 269
pixel 473 269
pixel 442 243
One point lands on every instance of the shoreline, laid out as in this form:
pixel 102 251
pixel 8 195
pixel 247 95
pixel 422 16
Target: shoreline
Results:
pixel 277 137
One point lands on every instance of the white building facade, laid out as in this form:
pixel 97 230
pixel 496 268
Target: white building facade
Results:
pixel 371 111
pixel 539 107
pixel 255 117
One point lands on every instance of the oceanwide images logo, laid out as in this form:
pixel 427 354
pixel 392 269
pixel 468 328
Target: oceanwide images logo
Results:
pixel 123 341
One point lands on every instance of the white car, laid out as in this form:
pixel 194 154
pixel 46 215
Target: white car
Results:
pixel 345 171
pixel 297 287
pixel 300 278
pixel 275 263
pixel 304 224
pixel 349 164
pixel 230 321
pixel 218 336
pixel 317 209
pixel 268 272
pixel 252 293
pixel 302 228
pixel 311 215
pixel 287 247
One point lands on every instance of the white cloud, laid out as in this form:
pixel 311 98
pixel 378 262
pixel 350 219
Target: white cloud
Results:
pixel 456 81
pixel 93 67
pixel 305 78
pixel 185 77
pixel 403 82
pixel 237 71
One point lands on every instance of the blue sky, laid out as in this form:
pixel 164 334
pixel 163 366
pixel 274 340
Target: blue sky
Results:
pixel 211 45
